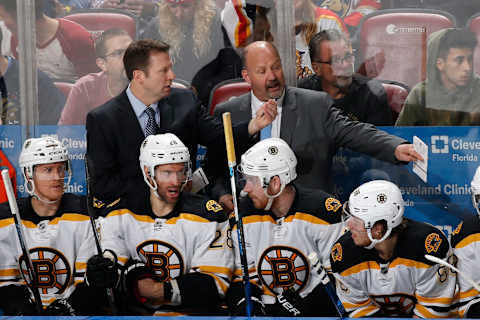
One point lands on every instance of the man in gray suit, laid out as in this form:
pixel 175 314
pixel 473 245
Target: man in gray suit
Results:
pixel 307 121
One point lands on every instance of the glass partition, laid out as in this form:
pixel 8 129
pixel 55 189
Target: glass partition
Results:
pixel 397 50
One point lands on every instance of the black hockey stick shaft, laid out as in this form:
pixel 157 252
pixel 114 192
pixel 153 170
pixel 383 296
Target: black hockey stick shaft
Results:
pixel 327 285
pixel 227 126
pixel 110 293
pixel 12 201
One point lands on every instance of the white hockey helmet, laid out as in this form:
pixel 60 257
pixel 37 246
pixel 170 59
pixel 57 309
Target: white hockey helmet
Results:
pixel 376 201
pixel 476 190
pixel 42 150
pixel 161 149
pixel 268 158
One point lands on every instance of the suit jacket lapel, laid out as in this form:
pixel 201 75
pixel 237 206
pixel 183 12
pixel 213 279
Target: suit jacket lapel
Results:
pixel 245 110
pixel 289 116
pixel 128 118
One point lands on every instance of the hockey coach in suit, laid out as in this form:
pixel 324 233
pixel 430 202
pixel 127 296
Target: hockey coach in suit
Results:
pixel 149 105
pixel 307 120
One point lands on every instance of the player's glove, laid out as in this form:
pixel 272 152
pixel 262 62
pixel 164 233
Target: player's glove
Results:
pixel 102 270
pixel 237 303
pixel 17 301
pixel 60 307
pixel 289 304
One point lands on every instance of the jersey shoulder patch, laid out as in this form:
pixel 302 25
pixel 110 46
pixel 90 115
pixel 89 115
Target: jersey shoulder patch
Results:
pixel 464 229
pixel 203 207
pixel 345 254
pixel 427 240
pixel 319 204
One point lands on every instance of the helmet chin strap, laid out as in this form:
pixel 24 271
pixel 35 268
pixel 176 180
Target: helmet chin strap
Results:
pixel 271 197
pixel 35 195
pixel 376 241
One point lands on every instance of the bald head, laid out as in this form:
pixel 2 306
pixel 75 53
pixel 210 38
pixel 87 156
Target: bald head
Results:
pixel 262 69
pixel 257 47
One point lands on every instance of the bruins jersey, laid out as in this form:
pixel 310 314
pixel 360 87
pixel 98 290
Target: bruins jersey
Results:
pixel 407 284
pixel 278 248
pixel 59 247
pixel 466 246
pixel 191 238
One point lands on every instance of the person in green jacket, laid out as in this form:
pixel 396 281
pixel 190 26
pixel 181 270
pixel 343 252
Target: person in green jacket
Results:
pixel 450 95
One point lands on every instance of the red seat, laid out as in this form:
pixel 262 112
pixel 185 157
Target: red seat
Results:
pixel 98 20
pixel 396 95
pixel 473 24
pixel 393 43
pixel 226 90
pixel 65 87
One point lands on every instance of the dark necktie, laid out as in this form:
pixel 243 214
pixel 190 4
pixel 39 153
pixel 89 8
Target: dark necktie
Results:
pixel 151 127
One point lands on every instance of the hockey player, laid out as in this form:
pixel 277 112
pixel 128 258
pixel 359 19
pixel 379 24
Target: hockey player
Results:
pixel 58 233
pixel 283 224
pixel 380 264
pixel 176 257
pixel 465 243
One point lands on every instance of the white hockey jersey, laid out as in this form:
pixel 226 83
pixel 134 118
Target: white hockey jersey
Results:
pixel 466 246
pixel 59 246
pixel 407 284
pixel 192 238
pixel 278 248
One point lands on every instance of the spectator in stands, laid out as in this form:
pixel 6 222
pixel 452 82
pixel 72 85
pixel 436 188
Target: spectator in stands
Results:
pixel 95 89
pixel 50 99
pixel 310 19
pixel 351 11
pixel 64 48
pixel 361 98
pixel 451 93
pixel 193 30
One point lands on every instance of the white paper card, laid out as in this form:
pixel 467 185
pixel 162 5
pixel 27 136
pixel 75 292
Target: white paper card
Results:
pixel 199 180
pixel 420 168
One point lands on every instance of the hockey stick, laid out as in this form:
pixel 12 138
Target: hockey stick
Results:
pixel 110 294
pixel 21 238
pixel 227 126
pixel 329 288
pixel 446 264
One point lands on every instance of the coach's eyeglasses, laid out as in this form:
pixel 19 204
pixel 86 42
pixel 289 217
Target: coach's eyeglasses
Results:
pixel 337 60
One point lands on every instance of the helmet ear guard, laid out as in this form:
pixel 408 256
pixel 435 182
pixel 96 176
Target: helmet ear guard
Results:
pixel 375 201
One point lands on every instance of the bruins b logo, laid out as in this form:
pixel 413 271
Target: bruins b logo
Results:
pixel 165 260
pixel 52 270
pixel 332 204
pixel 282 267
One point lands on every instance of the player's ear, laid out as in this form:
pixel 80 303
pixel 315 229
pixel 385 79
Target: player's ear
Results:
pixel 101 63
pixel 275 185
pixel 245 76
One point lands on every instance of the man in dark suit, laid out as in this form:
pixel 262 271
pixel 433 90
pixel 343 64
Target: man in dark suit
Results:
pixel 149 105
pixel 307 121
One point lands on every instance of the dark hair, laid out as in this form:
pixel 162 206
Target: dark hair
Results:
pixel 101 41
pixel 456 38
pixel 324 35
pixel 137 56
pixel 11 7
